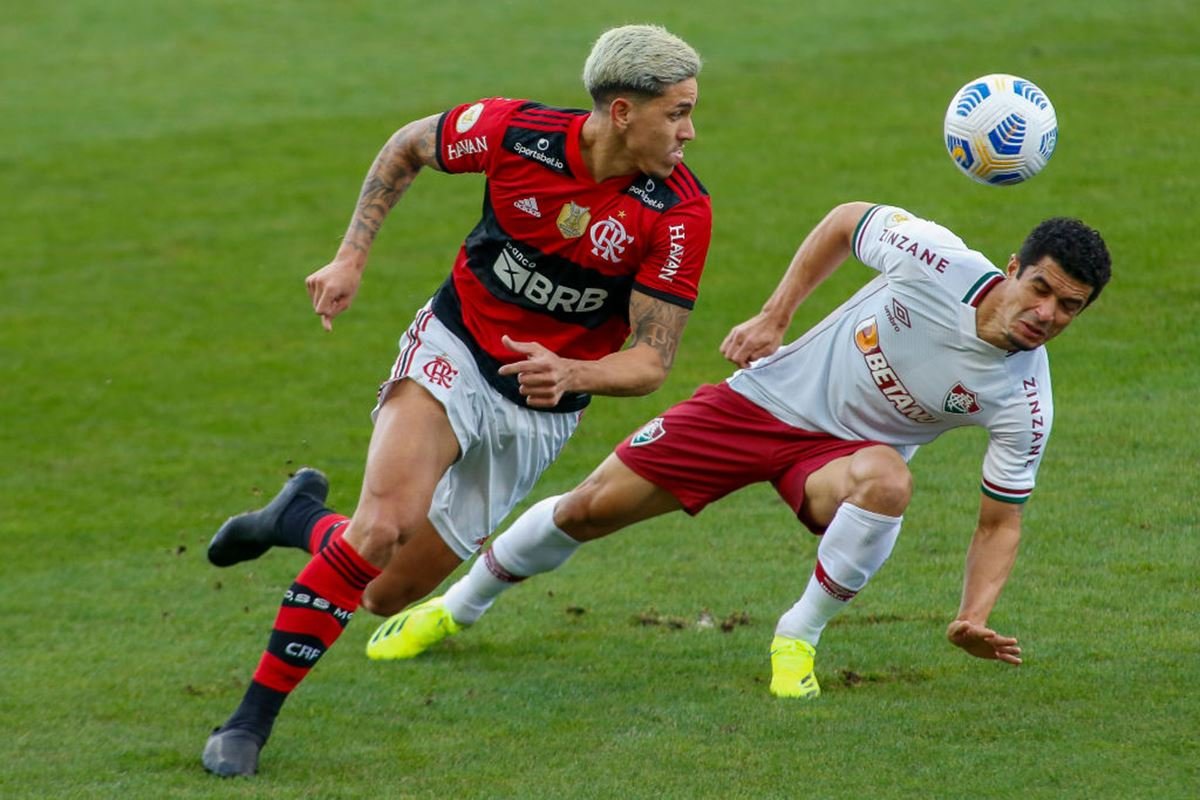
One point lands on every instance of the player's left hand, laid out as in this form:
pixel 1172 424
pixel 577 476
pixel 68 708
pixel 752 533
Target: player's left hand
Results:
pixel 542 374
pixel 983 642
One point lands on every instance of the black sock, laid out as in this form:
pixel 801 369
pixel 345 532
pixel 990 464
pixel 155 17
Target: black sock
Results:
pixel 257 712
pixel 297 520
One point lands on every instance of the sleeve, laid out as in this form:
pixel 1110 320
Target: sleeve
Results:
pixel 871 230
pixel 905 247
pixel 469 134
pixel 1017 442
pixel 671 271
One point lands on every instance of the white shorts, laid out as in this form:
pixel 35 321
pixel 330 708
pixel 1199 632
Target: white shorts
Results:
pixel 504 448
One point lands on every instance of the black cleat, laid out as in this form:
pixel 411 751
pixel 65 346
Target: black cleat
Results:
pixel 247 536
pixel 231 753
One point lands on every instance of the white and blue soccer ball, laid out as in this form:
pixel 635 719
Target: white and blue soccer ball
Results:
pixel 1000 129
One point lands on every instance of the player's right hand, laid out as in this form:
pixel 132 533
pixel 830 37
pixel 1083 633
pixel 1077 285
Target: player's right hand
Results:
pixel 983 642
pixel 542 375
pixel 332 289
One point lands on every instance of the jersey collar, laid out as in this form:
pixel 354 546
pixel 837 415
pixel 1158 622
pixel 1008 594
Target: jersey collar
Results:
pixel 579 168
pixel 575 151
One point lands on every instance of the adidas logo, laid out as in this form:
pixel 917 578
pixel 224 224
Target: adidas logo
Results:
pixel 529 206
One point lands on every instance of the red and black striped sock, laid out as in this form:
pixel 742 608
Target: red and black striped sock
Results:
pixel 308 524
pixel 324 529
pixel 314 613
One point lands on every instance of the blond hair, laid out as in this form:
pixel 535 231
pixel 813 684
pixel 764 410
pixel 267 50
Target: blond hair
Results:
pixel 642 59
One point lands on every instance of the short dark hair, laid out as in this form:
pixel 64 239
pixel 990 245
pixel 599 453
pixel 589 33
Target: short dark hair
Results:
pixel 1079 249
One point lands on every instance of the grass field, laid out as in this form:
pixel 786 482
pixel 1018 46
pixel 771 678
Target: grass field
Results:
pixel 170 171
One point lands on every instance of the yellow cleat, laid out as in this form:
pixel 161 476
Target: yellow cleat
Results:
pixel 412 631
pixel 792 672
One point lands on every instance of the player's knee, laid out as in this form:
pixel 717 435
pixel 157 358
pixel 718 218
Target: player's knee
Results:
pixel 881 481
pixel 581 513
pixel 886 494
pixel 575 511
pixel 376 537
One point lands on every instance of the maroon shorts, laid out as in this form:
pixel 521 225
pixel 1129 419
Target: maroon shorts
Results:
pixel 718 441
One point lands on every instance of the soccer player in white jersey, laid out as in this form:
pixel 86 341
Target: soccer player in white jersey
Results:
pixel 940 339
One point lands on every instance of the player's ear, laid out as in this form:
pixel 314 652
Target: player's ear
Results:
pixel 1013 266
pixel 620 111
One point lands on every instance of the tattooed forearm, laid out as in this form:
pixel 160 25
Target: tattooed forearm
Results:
pixel 658 324
pixel 406 152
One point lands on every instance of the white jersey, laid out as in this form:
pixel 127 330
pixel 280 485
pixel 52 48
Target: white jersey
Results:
pixel 900 361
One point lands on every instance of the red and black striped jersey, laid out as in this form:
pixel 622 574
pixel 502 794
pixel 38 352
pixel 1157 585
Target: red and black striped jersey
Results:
pixel 556 255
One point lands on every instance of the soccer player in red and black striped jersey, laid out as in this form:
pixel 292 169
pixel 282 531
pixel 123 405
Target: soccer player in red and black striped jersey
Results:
pixel 593 234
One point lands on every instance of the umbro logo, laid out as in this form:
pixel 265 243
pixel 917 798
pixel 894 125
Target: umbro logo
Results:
pixel 529 206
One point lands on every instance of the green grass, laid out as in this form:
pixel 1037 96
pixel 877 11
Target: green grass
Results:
pixel 172 170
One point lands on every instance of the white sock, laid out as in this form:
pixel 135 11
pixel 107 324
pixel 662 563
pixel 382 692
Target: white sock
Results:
pixel 854 547
pixel 531 545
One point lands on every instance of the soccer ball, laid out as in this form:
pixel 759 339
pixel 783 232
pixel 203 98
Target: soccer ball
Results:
pixel 1000 129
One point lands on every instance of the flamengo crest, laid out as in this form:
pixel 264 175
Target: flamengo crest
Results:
pixel 441 372
pixel 609 239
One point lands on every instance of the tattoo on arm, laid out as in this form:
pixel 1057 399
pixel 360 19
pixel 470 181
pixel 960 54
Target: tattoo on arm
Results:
pixel 657 323
pixel 408 150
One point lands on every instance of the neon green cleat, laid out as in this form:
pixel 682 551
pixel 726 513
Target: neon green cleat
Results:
pixel 412 631
pixel 792 672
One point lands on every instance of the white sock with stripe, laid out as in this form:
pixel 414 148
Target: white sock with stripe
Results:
pixel 531 545
pixel 854 547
